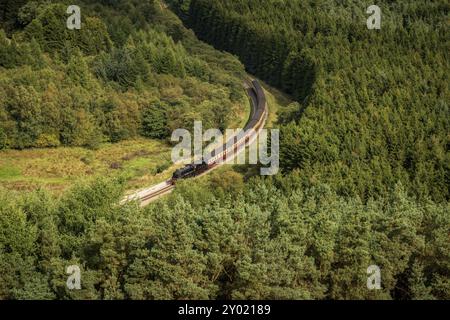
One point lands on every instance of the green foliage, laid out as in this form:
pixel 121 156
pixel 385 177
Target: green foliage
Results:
pixel 271 240
pixel 154 121
pixel 372 112
pixel 8 12
pixel 6 54
pixel 80 88
pixel 47 24
pixel 77 69
pixel 29 12
pixel 3 139
pixel 47 141
pixel 373 104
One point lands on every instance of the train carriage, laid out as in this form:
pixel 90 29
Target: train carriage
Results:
pixel 255 122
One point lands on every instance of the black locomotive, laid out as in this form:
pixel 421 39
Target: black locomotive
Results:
pixel 189 171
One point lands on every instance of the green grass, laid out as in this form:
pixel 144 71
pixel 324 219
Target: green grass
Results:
pixel 8 172
pixel 59 168
pixel 276 100
pixel 242 115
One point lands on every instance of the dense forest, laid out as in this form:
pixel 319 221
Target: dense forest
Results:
pixel 131 70
pixel 373 104
pixel 364 149
pixel 267 239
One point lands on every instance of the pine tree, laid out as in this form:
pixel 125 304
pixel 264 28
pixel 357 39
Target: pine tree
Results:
pixel 154 121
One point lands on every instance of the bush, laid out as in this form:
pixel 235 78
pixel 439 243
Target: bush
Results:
pixel 154 121
pixel 48 141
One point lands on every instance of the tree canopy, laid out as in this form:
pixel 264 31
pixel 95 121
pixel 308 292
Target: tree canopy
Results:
pixel 274 239
pixel 103 82
pixel 373 103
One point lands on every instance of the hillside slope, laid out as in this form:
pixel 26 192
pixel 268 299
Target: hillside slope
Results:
pixel 373 104
pixel 132 70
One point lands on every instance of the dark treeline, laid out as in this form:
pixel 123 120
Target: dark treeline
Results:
pixel 132 69
pixel 373 104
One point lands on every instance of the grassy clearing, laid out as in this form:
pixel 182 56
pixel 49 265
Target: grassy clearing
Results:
pixel 56 169
pixel 276 100
pixel 242 115
pixel 8 172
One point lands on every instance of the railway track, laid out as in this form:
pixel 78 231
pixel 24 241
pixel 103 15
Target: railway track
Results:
pixel 257 120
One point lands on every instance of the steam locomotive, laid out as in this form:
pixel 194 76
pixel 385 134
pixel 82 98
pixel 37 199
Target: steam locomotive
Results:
pixel 256 118
pixel 190 171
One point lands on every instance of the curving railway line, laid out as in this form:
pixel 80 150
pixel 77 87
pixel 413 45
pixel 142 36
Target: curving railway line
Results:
pixel 226 153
